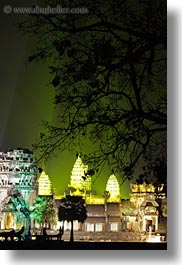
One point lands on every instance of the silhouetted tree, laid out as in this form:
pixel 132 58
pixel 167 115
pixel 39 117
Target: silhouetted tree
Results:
pixel 50 213
pixel 106 197
pixel 109 74
pixel 155 172
pixel 72 208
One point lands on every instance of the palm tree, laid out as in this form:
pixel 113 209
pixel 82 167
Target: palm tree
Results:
pixel 39 206
pixel 106 197
pixel 72 208
pixel 44 211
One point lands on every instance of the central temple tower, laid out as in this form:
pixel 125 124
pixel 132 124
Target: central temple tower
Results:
pixel 77 178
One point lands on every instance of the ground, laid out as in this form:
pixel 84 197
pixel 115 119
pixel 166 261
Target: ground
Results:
pixel 61 245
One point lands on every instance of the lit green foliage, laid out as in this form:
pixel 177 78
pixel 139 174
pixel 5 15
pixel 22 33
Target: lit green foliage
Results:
pixel 44 211
pixel 72 208
pixel 38 209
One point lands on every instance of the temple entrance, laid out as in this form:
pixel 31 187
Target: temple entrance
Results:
pixel 9 221
pixel 150 223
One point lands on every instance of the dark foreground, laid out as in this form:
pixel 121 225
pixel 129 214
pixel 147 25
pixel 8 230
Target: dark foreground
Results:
pixel 61 245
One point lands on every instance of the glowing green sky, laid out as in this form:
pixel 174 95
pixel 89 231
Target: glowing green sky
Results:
pixel 26 99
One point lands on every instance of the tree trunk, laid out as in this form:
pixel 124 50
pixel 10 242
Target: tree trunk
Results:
pixel 71 233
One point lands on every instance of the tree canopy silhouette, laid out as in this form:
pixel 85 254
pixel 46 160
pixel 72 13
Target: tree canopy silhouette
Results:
pixel 108 69
pixel 72 208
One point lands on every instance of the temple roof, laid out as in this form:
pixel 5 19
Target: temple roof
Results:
pixel 149 203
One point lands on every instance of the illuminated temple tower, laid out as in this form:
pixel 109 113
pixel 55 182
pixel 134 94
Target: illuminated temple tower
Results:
pixel 17 176
pixel 44 185
pixel 112 187
pixel 77 178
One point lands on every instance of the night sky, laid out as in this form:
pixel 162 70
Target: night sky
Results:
pixel 26 98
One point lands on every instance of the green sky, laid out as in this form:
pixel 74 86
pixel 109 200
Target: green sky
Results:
pixel 31 103
pixel 26 98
